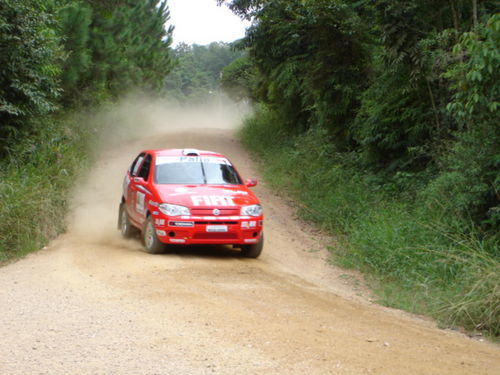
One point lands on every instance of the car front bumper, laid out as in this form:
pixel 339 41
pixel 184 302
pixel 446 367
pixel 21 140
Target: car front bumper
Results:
pixel 188 230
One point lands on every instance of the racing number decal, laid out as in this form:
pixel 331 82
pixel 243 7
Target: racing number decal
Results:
pixel 139 203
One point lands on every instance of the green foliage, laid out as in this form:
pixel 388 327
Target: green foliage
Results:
pixel 75 20
pixel 392 125
pixel 198 70
pixel 239 79
pixel 130 46
pixel 475 78
pixel 311 62
pixel 470 177
pixel 34 184
pixel 471 165
pixel 29 70
pixel 244 8
pixel 69 51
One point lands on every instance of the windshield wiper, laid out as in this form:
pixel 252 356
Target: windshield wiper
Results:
pixel 203 171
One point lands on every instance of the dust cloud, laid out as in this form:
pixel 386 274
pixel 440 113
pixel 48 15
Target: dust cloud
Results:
pixel 126 128
pixel 137 117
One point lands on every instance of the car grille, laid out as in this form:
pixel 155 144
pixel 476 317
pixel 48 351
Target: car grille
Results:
pixel 210 211
pixel 216 222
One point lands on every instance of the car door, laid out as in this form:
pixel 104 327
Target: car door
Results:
pixel 130 190
pixel 139 192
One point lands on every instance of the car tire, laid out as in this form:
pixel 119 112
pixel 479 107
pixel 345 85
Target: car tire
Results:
pixel 152 244
pixel 126 229
pixel 253 250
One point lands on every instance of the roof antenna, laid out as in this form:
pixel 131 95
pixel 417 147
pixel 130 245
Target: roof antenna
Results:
pixel 190 152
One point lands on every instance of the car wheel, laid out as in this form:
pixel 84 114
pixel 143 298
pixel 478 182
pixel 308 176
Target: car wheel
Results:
pixel 126 229
pixel 253 250
pixel 151 242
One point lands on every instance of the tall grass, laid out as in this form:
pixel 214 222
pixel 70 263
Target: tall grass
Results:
pixel 34 182
pixel 421 260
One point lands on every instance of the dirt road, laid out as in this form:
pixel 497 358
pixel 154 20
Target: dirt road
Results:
pixel 93 303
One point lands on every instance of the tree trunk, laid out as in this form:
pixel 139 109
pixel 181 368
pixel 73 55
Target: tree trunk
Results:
pixel 456 23
pixel 434 108
pixel 474 13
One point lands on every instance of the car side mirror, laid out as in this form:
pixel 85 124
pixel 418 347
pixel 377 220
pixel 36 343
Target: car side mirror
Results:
pixel 250 183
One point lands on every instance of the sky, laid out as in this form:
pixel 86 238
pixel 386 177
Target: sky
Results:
pixel 203 22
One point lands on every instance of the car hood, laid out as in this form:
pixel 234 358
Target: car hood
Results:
pixel 206 195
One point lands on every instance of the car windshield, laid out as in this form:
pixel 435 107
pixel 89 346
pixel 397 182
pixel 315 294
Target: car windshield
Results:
pixel 195 170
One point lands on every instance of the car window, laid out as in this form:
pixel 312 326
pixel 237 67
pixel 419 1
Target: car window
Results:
pixel 220 174
pixel 195 171
pixel 179 173
pixel 146 166
pixel 134 168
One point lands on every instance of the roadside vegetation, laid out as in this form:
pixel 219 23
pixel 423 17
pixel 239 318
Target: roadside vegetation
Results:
pixel 197 69
pixel 382 119
pixel 59 61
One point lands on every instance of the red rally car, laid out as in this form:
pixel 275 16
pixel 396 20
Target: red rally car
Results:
pixel 188 196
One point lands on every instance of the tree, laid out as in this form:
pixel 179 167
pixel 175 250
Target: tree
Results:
pixel 74 20
pixel 471 166
pixel 311 62
pixel 29 64
pixel 198 69
pixel 239 79
pixel 130 45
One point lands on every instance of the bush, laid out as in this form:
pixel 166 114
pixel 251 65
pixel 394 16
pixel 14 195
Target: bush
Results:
pixel 34 182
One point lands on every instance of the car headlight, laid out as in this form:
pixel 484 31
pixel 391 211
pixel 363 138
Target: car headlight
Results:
pixel 173 210
pixel 253 210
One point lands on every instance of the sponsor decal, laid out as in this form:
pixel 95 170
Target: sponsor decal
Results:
pixel 248 224
pixel 251 240
pixel 235 192
pixel 185 224
pixel 160 221
pixel 161 232
pixel 212 200
pixel 140 187
pixel 139 203
pixel 153 204
pixel 191 159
